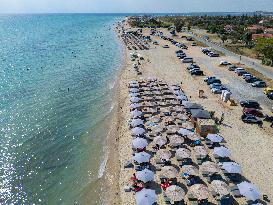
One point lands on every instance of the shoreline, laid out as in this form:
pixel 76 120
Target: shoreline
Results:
pixel 110 177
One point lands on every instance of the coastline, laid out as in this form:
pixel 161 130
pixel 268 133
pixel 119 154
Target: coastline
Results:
pixel 111 175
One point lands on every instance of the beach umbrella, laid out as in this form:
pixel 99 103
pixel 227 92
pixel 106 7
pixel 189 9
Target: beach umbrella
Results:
pixel 142 157
pixel 156 129
pixel 139 143
pixel 164 154
pixel 190 170
pixel 136 122
pixel 222 151
pixel 185 132
pixel 133 85
pixel 182 97
pixel 134 94
pixel 146 197
pixel 133 82
pixel 183 153
pixel 200 150
pixel 135 105
pixel 232 167
pixel 187 125
pixel 160 140
pixel 176 140
pixel 138 131
pixel 193 137
pixel 182 116
pixel 220 187
pixel 209 167
pixel 190 105
pixel 200 114
pixel 135 99
pixel 133 90
pixel 175 193
pixel 169 172
pixel 145 175
pixel 214 138
pixel 199 191
pixel 249 191
pixel 136 113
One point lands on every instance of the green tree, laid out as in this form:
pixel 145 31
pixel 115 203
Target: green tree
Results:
pixel 223 38
pixel 179 24
pixel 247 38
pixel 264 47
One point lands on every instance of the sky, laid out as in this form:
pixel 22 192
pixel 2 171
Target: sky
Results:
pixel 132 6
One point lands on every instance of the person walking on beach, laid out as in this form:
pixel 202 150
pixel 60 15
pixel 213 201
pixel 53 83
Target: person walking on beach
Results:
pixel 222 117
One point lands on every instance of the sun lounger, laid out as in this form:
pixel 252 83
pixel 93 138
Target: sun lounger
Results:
pixel 128 164
pixel 127 188
pixel 236 193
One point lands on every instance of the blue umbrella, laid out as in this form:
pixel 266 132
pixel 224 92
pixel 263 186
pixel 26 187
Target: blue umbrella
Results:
pixel 142 157
pixel 145 175
pixel 146 197
pixel 222 151
pixel 214 138
pixel 249 191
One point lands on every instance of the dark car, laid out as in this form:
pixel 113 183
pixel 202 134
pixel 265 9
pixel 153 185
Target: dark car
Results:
pixel 213 80
pixel 252 111
pixel 270 95
pixel 251 119
pixel 191 66
pixel 250 104
pixel 242 72
pixel 259 84
pixel 252 80
pixel 197 72
pixel 179 51
pixel 208 78
pixel 232 67
pixel 211 54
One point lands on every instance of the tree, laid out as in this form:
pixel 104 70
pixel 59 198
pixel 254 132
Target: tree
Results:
pixel 264 46
pixel 247 38
pixel 223 38
pixel 179 25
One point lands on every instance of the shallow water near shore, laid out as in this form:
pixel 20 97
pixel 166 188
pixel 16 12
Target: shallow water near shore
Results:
pixel 57 77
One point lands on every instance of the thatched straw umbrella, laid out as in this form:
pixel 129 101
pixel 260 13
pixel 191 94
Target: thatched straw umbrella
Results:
pixel 169 172
pixel 175 193
pixel 200 151
pixel 199 191
pixel 175 140
pixel 209 167
pixel 164 154
pixel 190 170
pixel 160 140
pixel 183 153
pixel 220 187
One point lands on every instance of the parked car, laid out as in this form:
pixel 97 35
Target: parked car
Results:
pixel 214 85
pixel 250 104
pixel 218 90
pixel 187 60
pixel 213 54
pixel 179 51
pixel 189 39
pixel 193 69
pixel 205 51
pixel 241 72
pixel 194 44
pixel 270 95
pixel 247 75
pixel 238 70
pixel 232 67
pixel 155 43
pixel 215 80
pixel 207 78
pixel 251 119
pixel 268 90
pixel 252 111
pixel 224 63
pixel 165 46
pixel 259 84
pixel 191 66
pixel 252 80
pixel 197 72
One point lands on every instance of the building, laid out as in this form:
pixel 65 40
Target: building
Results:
pixel 269 30
pixel 262 35
pixel 229 28
pixel 255 28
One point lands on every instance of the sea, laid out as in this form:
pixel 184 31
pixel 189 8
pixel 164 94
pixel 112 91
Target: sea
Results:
pixel 57 85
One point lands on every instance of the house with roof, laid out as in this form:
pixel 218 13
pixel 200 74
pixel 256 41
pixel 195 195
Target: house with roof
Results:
pixel 262 35
pixel 255 28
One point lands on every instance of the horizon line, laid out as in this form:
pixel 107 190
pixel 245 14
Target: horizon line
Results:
pixel 11 13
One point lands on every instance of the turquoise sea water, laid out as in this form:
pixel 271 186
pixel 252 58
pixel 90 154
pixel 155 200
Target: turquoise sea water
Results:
pixel 56 89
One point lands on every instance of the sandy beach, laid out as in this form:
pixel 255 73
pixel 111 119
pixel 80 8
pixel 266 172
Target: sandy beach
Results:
pixel 251 145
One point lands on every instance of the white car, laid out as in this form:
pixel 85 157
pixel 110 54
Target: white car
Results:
pixel 237 70
pixel 247 76
pixel 225 63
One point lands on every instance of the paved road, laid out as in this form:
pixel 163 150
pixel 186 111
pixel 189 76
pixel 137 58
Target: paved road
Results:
pixel 245 60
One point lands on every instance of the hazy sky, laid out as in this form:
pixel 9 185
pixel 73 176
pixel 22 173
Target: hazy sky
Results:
pixel 124 6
